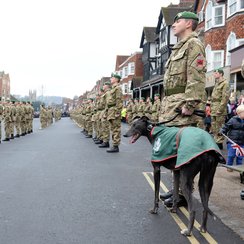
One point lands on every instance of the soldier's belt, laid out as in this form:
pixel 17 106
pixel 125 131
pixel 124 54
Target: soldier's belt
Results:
pixel 176 90
pixel 153 112
pixel 111 105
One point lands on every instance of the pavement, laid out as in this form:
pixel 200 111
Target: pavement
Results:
pixel 225 198
pixel 57 187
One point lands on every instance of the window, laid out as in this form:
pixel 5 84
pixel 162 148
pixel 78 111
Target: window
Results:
pixel 208 51
pixel 131 68
pixel 234 6
pixel 126 71
pixel 230 44
pixel 218 16
pixel 218 59
pixel 215 59
pixel 125 88
pixel 208 22
pixel 201 16
pixel 214 15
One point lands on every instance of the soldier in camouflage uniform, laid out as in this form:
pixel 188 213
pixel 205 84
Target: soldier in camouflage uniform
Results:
pixel 141 107
pixel 129 111
pixel 7 120
pixel 104 115
pixel 18 119
pixel 219 99
pixel 155 108
pixel 184 79
pixel 43 116
pixel 135 108
pixel 115 103
pixel 148 108
pixel 1 117
pixel 89 112
pixel 99 105
pixel 13 119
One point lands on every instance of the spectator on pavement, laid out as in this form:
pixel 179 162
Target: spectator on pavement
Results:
pixel 231 108
pixel 234 129
pixel 207 120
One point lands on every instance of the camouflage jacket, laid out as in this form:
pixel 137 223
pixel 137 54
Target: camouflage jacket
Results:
pixel 220 97
pixel 141 108
pixel 155 110
pixel 114 102
pixel 184 80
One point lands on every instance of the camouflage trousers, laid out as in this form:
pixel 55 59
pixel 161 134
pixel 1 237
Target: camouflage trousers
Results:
pixel 7 128
pixel 217 123
pixel 115 128
pixel 17 127
pixel 129 117
pixel 43 124
pixel 89 127
pixel 0 130
pixel 105 133
pixel 99 129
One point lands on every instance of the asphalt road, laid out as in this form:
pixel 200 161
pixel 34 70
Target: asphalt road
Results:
pixel 57 187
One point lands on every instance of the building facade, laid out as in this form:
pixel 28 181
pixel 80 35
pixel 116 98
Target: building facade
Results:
pixel 4 86
pixel 221 28
pixel 130 69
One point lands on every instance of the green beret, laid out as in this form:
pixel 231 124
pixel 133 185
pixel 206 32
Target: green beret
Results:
pixel 101 89
pixel 142 98
pixel 116 76
pixel 156 95
pixel 108 83
pixel 219 70
pixel 90 98
pixel 186 15
pixel 136 98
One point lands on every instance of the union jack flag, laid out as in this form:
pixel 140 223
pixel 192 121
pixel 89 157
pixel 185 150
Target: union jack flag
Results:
pixel 238 148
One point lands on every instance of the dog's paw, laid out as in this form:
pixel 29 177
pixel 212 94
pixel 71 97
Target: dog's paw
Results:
pixel 173 210
pixel 153 211
pixel 186 232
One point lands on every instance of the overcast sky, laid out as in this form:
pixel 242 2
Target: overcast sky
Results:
pixel 67 45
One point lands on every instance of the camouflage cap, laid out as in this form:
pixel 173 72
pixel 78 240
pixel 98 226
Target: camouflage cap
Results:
pixel 219 70
pixel 115 75
pixel 186 15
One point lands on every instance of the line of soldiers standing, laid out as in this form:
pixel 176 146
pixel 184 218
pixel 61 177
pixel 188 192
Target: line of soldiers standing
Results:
pixel 102 116
pixel 17 117
pixel 47 114
pixel 141 108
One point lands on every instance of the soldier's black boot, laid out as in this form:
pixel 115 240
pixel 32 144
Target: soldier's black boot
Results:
pixel 220 145
pixel 6 139
pixel 113 149
pixel 88 136
pixel 98 141
pixel 166 195
pixel 17 135
pixel 12 136
pixel 104 145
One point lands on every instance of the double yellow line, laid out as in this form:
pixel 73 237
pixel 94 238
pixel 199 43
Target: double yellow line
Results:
pixel 176 218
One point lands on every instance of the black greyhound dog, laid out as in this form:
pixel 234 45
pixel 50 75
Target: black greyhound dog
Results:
pixel 204 163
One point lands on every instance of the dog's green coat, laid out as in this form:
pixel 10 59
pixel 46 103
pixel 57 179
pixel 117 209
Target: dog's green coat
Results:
pixel 189 143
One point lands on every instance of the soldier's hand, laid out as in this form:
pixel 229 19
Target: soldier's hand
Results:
pixel 185 111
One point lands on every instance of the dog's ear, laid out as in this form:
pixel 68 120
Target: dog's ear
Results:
pixel 136 117
pixel 145 118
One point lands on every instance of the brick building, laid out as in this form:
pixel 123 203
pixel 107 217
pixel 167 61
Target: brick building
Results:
pixel 221 27
pixel 129 68
pixel 4 86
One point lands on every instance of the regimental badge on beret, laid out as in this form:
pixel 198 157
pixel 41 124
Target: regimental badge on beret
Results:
pixel 186 15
